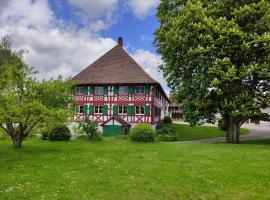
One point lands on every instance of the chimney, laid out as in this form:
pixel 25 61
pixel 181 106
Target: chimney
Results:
pixel 120 41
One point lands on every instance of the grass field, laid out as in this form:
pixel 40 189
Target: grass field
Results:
pixel 121 169
pixel 185 132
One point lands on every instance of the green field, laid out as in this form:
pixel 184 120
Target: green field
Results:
pixel 186 133
pixel 121 169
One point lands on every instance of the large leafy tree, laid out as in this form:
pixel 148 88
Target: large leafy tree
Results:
pixel 25 102
pixel 216 57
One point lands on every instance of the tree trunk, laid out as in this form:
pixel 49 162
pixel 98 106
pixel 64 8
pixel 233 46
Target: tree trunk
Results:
pixel 233 133
pixel 17 142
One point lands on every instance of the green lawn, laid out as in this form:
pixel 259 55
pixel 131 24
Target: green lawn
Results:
pixel 185 132
pixel 120 169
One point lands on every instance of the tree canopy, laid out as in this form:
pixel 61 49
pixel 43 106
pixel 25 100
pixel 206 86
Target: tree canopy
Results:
pixel 26 102
pixel 216 57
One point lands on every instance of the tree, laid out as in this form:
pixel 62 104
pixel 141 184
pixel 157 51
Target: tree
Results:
pixel 216 57
pixel 90 128
pixel 27 103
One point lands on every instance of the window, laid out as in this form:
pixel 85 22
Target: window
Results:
pixel 123 90
pixel 79 109
pixel 98 109
pixel 140 110
pixel 122 110
pixel 98 90
pixel 79 90
pixel 140 90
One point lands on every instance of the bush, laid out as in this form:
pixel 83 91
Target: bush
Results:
pixel 222 125
pixel 142 133
pixel 167 120
pixel 59 133
pixel 166 134
pixel 44 135
pixel 90 128
pixel 167 137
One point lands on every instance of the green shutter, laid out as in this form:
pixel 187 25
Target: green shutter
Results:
pixel 85 90
pixel 130 110
pixel 105 109
pixel 90 109
pixel 91 90
pixel 115 110
pixel 105 89
pixel 147 110
pixel 131 89
pixel 115 89
pixel 84 109
pixel 147 89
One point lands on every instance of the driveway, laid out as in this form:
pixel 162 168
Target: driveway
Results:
pixel 256 132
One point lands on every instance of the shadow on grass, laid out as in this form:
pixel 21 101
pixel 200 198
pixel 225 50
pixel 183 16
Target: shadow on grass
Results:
pixel 258 142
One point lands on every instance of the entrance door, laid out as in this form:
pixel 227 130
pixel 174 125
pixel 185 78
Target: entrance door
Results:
pixel 112 130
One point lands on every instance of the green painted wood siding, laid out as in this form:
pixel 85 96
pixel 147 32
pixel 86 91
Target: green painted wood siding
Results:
pixel 105 109
pixel 131 89
pixel 147 110
pixel 115 89
pixel 115 110
pixel 112 130
pixel 131 110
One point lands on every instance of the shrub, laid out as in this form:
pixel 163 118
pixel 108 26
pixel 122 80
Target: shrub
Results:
pixel 167 137
pixel 44 135
pixel 222 125
pixel 59 133
pixel 77 130
pixel 142 133
pixel 167 120
pixel 166 134
pixel 90 128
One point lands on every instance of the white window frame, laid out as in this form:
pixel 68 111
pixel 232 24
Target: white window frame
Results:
pixel 98 109
pixel 79 109
pixel 140 89
pixel 123 110
pixel 139 110
pixel 79 90
pixel 123 90
pixel 99 90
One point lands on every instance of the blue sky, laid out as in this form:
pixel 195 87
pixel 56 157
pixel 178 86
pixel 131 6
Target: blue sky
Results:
pixel 64 37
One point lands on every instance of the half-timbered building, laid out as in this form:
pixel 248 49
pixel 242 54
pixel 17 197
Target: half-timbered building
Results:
pixel 116 87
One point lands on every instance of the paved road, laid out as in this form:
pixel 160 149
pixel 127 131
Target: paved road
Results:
pixel 256 132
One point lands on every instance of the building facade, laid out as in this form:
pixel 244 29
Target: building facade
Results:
pixel 116 86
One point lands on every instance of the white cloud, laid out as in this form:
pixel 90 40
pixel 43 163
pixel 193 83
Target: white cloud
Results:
pixel 150 62
pixel 104 11
pixel 53 47
pixel 56 48
pixel 142 8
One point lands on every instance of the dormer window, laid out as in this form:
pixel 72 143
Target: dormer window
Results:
pixel 139 89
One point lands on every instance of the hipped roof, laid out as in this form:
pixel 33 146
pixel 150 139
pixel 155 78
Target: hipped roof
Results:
pixel 114 67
